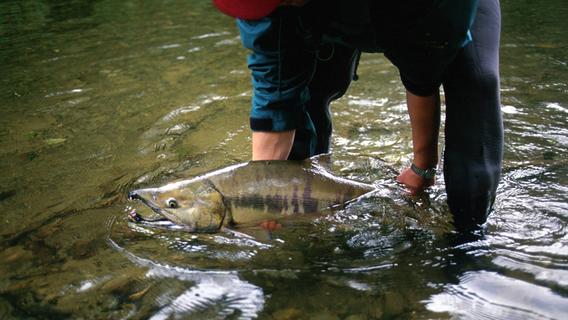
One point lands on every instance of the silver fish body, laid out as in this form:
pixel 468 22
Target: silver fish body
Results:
pixel 249 192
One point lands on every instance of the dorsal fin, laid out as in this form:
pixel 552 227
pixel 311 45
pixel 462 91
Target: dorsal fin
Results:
pixel 322 160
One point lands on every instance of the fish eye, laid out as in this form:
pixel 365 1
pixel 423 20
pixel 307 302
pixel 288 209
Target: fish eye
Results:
pixel 172 203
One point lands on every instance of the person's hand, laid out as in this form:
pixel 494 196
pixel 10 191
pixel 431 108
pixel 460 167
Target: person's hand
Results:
pixel 413 182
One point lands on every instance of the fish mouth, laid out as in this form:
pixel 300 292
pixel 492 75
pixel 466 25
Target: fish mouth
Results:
pixel 144 196
pixel 134 215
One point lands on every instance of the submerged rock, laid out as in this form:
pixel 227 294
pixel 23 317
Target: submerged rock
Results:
pixel 287 314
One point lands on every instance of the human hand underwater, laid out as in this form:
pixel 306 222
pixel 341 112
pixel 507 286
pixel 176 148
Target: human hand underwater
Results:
pixel 413 182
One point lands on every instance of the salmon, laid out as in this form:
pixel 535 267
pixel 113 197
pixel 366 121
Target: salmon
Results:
pixel 249 192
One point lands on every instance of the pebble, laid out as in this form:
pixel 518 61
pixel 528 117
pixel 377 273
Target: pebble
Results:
pixel 54 141
pixel 287 314
pixel 119 284
pixel 393 303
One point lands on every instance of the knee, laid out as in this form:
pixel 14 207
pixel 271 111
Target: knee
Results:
pixel 488 83
pixel 333 77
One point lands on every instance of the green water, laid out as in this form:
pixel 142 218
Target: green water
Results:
pixel 101 97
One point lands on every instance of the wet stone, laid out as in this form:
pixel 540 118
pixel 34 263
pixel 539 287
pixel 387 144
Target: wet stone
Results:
pixel 43 253
pixel 6 310
pixel 15 254
pixel 287 314
pixel 324 315
pixel 26 299
pixel 29 156
pixel 548 155
pixel 376 311
pixel 7 194
pixel 48 230
pixel 83 249
pixel 54 141
pixel 137 295
pixel 394 303
pixel 120 284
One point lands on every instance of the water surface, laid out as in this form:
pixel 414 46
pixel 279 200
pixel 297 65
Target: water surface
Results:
pixel 100 97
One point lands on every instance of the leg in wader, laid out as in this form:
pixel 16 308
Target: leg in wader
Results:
pixel 474 128
pixel 334 71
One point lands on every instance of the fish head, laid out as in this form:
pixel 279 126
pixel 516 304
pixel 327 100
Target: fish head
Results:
pixel 196 206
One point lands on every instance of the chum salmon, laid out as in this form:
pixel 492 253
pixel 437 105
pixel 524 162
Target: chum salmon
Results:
pixel 249 192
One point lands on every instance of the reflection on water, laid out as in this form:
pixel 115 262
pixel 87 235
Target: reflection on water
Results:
pixel 487 295
pixel 102 97
pixel 212 293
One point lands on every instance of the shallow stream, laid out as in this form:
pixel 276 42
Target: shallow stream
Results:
pixel 100 97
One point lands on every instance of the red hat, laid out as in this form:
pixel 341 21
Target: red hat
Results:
pixel 247 9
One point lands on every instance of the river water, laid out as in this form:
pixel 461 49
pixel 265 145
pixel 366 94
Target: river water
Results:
pixel 100 97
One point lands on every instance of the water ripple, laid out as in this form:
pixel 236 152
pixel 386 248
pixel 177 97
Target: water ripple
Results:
pixel 221 292
pixel 549 274
pixel 488 295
